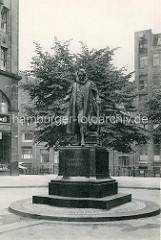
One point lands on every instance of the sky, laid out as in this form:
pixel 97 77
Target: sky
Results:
pixel 97 23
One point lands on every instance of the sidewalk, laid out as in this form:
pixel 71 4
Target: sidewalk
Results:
pixel 43 180
pixel 14 227
pixel 138 182
pixel 26 181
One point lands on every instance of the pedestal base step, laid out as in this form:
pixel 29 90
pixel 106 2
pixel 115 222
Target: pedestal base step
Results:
pixel 99 203
pixel 83 189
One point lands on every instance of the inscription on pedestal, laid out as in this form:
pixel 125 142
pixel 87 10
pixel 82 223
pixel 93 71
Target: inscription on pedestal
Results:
pixel 75 167
pixel 76 162
pixel 84 162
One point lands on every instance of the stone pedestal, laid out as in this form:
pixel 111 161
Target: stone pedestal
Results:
pixel 83 172
pixel 83 180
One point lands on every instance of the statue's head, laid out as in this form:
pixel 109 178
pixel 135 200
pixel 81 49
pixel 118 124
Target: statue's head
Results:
pixel 81 75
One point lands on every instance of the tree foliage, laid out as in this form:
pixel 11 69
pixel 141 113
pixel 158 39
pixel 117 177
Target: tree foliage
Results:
pixel 53 74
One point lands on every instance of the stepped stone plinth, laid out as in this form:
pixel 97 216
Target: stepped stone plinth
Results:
pixel 83 180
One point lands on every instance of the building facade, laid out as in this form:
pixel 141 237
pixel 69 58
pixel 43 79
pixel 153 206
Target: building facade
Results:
pixel 8 87
pixel 148 76
pixel 36 157
pixel 145 160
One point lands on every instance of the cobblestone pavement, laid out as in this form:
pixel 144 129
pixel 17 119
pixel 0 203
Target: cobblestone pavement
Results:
pixel 13 227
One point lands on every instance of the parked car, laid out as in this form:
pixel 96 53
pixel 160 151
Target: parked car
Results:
pixel 22 168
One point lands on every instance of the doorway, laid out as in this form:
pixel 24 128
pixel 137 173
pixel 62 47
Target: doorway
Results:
pixel 5 148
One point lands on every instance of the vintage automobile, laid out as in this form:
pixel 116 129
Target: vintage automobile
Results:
pixel 22 168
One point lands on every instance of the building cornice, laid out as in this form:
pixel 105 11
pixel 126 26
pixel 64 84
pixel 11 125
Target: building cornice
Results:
pixel 11 75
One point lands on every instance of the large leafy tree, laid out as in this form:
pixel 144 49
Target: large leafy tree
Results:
pixel 54 72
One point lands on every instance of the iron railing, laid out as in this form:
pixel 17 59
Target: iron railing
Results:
pixel 114 171
pixel 39 169
pixel 134 172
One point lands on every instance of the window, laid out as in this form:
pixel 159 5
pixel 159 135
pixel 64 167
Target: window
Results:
pixel 159 41
pixel 143 49
pixel 56 157
pixel 143 62
pixel 143 82
pixel 157 149
pixel 27 137
pixel 143 151
pixel 26 153
pixel 143 46
pixel 4 107
pixel 155 60
pixel 4 104
pixel 143 43
pixel 124 161
pixel 44 156
pixel 4 19
pixel 3 58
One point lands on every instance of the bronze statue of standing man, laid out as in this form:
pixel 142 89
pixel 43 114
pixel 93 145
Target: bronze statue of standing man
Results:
pixel 82 107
